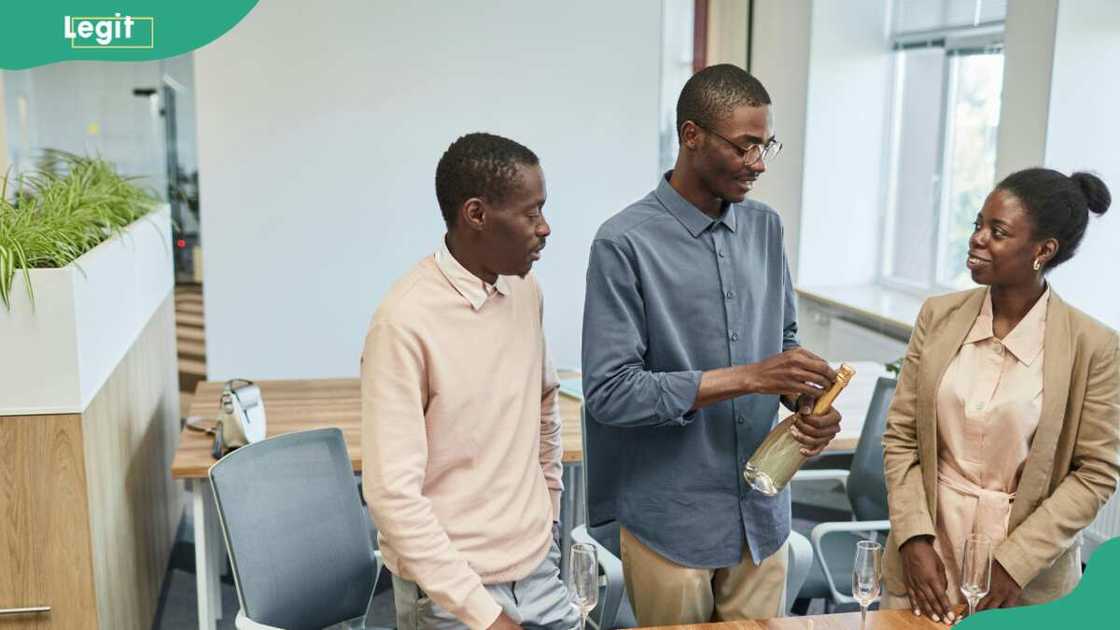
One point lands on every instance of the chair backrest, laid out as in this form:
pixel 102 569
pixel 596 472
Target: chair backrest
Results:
pixel 607 533
pixel 297 535
pixel 867 487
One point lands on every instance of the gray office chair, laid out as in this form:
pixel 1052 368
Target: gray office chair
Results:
pixel 834 543
pixel 297 535
pixel 613 610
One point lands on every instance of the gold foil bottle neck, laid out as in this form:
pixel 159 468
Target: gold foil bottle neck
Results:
pixel 843 377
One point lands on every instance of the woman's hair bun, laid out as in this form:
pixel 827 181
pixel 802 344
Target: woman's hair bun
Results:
pixel 1096 192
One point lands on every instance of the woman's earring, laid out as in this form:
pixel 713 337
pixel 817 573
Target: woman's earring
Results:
pixel 1037 264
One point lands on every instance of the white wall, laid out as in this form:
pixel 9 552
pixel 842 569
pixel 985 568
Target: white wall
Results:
pixel 827 67
pixel 779 42
pixel 1082 134
pixel 845 125
pixel 319 129
pixel 1059 103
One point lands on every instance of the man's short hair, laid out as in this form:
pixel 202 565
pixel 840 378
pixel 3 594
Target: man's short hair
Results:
pixel 479 165
pixel 714 92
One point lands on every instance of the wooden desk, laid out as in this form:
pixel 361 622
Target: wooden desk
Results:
pixel 876 620
pixel 301 405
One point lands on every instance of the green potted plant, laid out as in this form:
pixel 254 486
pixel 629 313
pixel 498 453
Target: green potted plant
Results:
pixel 85 260
pixel 51 218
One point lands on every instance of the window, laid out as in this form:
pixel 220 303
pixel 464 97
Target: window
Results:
pixel 948 75
pixel 677 43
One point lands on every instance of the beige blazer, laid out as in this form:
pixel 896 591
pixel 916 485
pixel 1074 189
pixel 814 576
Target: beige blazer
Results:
pixel 1074 459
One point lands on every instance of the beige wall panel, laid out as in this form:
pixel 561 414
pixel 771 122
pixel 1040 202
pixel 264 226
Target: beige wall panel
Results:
pixel 130 431
pixel 727 32
pixel 780 59
pixel 1027 72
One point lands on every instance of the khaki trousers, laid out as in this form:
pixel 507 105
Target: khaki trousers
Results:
pixel 664 593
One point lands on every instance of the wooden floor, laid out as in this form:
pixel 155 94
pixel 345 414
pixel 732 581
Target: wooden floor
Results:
pixel 190 338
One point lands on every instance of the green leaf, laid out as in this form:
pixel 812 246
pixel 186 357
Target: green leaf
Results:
pixel 63 208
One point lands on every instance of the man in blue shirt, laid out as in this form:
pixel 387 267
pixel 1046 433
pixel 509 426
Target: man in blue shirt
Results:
pixel 689 340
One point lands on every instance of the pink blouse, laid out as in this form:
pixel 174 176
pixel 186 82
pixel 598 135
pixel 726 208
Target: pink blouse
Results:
pixel 988 408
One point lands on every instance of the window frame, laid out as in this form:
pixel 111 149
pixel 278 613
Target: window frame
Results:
pixel 986 38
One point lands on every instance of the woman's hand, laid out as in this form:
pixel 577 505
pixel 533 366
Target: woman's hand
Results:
pixel 926 584
pixel 1005 591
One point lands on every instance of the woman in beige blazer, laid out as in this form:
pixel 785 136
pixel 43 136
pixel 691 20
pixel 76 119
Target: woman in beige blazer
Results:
pixel 1006 418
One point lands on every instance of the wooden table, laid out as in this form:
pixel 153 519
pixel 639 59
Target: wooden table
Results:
pixel 876 620
pixel 301 405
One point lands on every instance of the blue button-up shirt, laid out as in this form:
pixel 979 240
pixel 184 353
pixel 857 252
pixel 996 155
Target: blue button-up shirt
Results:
pixel 672 293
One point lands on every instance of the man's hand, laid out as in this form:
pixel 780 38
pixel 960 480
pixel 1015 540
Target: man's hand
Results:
pixel 926 584
pixel 814 432
pixel 1005 591
pixel 789 373
pixel 504 622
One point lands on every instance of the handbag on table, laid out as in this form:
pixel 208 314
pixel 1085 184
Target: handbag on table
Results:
pixel 241 419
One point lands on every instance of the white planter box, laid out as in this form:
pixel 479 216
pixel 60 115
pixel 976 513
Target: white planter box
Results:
pixel 56 356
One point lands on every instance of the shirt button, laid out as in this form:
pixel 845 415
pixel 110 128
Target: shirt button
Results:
pixel 734 336
pixel 740 419
pixel 722 254
pixel 730 294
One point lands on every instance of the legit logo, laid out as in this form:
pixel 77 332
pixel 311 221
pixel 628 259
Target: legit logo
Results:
pixel 110 32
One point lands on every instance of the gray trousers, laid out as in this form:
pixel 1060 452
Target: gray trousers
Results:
pixel 539 600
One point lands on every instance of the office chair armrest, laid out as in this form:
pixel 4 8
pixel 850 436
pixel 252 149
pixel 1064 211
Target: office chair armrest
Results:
pixel 800 565
pixel 612 575
pixel 244 623
pixel 824 529
pixel 378 563
pixel 823 474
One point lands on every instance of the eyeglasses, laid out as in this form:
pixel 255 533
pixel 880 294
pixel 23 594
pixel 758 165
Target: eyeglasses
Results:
pixel 752 153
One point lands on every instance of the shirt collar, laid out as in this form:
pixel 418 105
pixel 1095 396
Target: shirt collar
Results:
pixel 695 221
pixel 470 286
pixel 1025 340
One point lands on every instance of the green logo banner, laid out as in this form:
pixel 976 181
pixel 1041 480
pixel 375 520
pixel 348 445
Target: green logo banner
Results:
pixel 47 31
pixel 1091 605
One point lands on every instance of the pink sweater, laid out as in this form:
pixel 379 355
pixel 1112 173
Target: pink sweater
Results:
pixel 460 433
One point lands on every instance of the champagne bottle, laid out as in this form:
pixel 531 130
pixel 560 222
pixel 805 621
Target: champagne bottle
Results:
pixel 779 456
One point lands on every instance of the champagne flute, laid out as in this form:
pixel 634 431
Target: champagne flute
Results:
pixel 865 575
pixel 583 579
pixel 976 569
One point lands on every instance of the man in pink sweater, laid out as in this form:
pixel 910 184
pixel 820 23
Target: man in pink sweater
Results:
pixel 460 424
